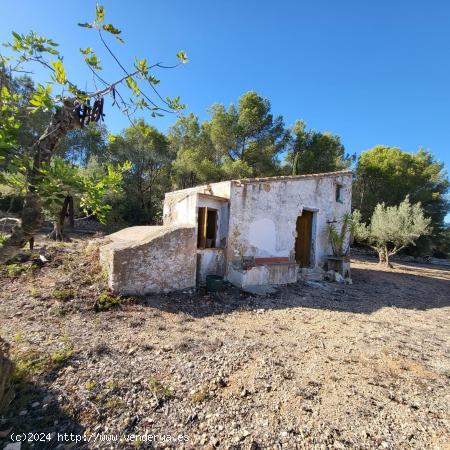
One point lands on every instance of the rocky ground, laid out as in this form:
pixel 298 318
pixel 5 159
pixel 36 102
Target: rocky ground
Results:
pixel 314 366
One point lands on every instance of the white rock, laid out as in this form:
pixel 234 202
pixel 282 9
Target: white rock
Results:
pixel 12 446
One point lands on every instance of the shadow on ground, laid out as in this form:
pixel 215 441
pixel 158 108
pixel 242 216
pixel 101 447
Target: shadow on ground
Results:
pixel 410 286
pixel 35 417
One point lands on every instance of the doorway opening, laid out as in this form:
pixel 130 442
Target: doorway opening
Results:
pixel 207 227
pixel 303 242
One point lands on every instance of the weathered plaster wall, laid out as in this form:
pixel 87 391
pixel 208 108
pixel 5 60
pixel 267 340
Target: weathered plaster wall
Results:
pixel 141 260
pixel 262 274
pixel 178 207
pixel 210 261
pixel 263 215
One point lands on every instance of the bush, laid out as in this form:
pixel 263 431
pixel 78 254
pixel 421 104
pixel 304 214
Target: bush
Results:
pixel 63 294
pixel 392 228
pixel 158 389
pixel 106 301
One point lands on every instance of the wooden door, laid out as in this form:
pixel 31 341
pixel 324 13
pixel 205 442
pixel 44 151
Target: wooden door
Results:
pixel 304 237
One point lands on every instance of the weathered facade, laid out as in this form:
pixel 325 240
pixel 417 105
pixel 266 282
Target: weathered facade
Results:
pixel 253 232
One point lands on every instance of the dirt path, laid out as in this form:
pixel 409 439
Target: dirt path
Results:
pixel 329 366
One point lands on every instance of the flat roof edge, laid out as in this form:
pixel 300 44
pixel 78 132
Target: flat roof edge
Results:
pixel 292 177
pixel 263 179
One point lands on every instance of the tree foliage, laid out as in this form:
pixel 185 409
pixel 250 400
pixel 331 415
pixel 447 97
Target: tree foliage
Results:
pixel 150 159
pixel 388 174
pixel 315 152
pixel 197 159
pixel 248 137
pixel 69 108
pixel 392 228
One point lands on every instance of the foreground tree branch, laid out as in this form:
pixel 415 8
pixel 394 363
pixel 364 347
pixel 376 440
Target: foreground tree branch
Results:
pixel 63 120
pixel 70 112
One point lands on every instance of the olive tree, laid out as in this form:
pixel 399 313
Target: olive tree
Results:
pixel 72 107
pixel 392 228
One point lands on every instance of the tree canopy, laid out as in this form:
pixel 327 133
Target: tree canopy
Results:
pixel 315 152
pixel 392 228
pixel 388 174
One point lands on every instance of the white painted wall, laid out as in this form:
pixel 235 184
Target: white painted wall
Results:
pixel 260 219
pixel 263 215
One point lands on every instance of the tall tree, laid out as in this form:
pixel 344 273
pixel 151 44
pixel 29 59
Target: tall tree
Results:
pixel 197 160
pixel 72 108
pixel 388 174
pixel 149 178
pixel 248 137
pixel 315 152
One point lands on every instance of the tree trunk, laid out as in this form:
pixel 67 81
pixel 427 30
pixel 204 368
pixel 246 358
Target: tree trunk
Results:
pixel 383 256
pixel 58 226
pixel 386 260
pixel 63 120
pixel 71 213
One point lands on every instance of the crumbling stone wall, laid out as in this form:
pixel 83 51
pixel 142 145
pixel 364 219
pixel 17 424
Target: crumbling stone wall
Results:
pixel 142 260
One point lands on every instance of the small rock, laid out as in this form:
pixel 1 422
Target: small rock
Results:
pixel 339 278
pixel 244 393
pixel 12 446
pixel 24 412
pixel 5 433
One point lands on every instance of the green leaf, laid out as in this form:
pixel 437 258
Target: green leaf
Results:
pixel 41 97
pixel 111 29
pixel 182 57
pixel 152 79
pixel 86 25
pixel 86 51
pixel 175 103
pixel 99 13
pixel 141 65
pixel 133 86
pixel 93 61
pixel 60 73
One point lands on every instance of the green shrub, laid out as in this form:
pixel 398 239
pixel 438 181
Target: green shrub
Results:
pixel 29 363
pixel 14 270
pixel 106 301
pixel 63 294
pixel 60 356
pixel 158 389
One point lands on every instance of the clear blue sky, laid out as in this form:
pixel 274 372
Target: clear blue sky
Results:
pixel 373 72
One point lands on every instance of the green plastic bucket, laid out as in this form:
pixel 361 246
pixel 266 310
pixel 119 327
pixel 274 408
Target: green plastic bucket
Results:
pixel 214 283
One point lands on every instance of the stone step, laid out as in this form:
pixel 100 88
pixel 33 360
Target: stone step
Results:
pixel 310 274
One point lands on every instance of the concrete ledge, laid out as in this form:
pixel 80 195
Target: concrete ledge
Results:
pixel 268 274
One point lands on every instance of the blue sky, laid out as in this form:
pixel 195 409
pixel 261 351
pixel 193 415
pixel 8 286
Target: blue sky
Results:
pixel 373 72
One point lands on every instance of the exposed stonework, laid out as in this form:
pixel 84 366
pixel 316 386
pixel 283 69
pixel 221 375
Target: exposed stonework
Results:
pixel 141 260
pixel 248 231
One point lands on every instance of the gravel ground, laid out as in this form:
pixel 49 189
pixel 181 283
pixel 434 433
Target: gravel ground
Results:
pixel 314 366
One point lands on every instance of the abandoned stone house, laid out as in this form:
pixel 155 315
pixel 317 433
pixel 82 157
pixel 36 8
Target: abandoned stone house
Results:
pixel 261 231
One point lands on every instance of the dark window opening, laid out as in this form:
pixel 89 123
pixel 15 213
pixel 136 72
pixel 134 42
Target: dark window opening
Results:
pixel 339 193
pixel 207 227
